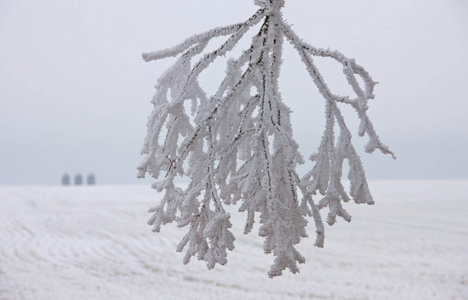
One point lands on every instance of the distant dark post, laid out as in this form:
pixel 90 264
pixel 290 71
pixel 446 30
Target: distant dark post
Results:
pixel 78 179
pixel 65 179
pixel 91 180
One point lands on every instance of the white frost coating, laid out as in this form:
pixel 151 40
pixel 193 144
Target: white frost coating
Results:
pixel 238 146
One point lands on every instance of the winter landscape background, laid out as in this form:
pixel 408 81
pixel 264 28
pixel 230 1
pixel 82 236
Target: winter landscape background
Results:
pixel 75 95
pixel 92 243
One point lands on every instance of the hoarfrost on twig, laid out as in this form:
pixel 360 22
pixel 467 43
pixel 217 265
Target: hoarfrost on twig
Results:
pixel 238 146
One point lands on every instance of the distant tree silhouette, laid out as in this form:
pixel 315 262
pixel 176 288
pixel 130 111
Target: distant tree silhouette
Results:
pixel 65 179
pixel 91 179
pixel 78 179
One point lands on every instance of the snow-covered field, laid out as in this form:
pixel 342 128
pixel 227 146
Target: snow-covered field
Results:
pixel 93 243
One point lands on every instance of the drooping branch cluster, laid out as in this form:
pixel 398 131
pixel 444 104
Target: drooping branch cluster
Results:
pixel 237 145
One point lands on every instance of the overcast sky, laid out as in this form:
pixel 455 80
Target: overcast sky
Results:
pixel 75 93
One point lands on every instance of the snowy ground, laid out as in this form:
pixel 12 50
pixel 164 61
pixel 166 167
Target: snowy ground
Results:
pixel 93 243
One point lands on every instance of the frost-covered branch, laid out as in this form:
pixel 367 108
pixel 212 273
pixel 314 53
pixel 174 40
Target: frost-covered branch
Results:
pixel 237 145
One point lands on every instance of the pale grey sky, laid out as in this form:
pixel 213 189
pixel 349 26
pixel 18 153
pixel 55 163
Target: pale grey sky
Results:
pixel 74 92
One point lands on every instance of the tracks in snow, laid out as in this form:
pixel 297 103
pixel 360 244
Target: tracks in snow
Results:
pixel 93 243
